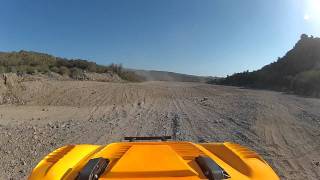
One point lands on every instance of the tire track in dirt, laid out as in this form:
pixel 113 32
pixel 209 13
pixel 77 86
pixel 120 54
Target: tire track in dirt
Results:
pixel 284 129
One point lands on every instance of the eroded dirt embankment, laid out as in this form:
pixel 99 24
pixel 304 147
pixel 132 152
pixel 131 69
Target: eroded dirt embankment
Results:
pixel 284 129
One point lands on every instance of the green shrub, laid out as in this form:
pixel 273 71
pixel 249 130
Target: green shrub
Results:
pixel 76 73
pixel 130 76
pixel 3 69
pixel 64 71
pixel 55 69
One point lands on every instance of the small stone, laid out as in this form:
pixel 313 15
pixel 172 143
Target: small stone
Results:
pixel 8 133
pixel 21 171
pixel 203 99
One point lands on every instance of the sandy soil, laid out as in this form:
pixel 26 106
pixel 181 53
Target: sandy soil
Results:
pixel 45 115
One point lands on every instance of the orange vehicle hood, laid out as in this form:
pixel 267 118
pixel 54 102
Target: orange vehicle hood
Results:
pixel 153 160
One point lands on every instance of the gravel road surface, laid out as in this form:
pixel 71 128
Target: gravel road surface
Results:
pixel 44 115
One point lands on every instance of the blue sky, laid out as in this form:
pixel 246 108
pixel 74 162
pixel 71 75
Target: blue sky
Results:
pixel 202 37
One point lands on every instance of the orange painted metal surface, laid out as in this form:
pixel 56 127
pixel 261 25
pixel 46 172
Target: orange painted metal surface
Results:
pixel 153 160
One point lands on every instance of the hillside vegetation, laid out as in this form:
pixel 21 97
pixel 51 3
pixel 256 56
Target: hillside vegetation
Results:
pixel 27 62
pixel 298 71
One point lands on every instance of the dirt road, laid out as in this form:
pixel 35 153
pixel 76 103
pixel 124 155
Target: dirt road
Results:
pixel 284 129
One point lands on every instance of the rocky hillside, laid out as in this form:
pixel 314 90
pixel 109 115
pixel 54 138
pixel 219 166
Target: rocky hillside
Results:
pixel 33 63
pixel 298 71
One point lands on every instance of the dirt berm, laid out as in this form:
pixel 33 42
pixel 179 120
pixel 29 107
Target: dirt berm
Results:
pixel 43 115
